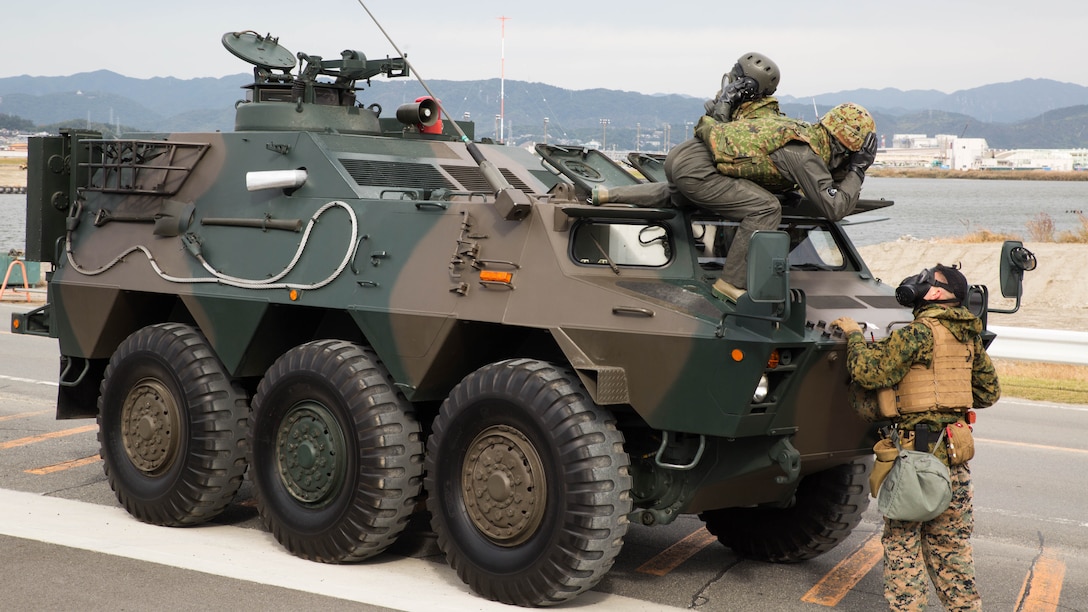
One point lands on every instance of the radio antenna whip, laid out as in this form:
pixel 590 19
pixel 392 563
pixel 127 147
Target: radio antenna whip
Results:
pixel 513 203
pixel 414 71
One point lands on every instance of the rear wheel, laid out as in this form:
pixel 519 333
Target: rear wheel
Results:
pixel 336 452
pixel 828 506
pixel 528 484
pixel 171 427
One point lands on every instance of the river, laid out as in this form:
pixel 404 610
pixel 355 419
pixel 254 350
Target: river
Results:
pixel 938 208
pixel 924 208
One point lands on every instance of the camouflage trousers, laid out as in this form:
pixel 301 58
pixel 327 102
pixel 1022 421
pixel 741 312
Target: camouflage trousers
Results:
pixel 940 548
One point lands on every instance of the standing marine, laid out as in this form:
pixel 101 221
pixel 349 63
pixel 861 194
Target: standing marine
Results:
pixel 939 371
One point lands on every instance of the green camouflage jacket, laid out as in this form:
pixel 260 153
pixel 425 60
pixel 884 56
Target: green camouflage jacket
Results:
pixel 741 148
pixel 875 365
pixel 760 107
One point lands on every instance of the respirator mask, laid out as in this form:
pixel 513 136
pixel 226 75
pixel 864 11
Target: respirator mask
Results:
pixel 913 289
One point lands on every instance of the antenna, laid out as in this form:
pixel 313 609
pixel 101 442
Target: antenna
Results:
pixel 502 81
pixel 814 111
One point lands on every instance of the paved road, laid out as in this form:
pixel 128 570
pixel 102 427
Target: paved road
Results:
pixel 66 544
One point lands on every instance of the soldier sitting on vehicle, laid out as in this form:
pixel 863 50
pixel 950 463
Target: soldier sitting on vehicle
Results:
pixel 755 159
pixel 746 152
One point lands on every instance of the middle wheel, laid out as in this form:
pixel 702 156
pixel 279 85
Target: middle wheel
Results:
pixel 336 453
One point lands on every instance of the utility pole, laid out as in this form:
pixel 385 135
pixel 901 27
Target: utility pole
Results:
pixel 638 137
pixel 502 81
pixel 545 130
pixel 604 134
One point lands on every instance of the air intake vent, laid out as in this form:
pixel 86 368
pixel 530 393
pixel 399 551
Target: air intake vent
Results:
pixel 472 179
pixel 375 173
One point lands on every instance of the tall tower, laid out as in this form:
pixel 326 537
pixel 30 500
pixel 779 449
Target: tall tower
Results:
pixel 502 82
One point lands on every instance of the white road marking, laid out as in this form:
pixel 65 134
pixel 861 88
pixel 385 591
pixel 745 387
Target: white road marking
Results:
pixel 254 555
pixel 28 380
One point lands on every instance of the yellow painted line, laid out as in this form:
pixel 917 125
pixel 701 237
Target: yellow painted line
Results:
pixel 66 465
pixel 1082 451
pixel 22 415
pixel 1043 585
pixel 830 590
pixel 670 558
pixel 46 436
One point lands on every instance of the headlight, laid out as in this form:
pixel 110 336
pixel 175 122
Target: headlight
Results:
pixel 761 390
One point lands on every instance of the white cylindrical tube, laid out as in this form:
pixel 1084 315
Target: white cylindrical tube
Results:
pixel 275 179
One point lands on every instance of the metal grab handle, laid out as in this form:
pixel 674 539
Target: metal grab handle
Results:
pixel 678 466
pixel 632 310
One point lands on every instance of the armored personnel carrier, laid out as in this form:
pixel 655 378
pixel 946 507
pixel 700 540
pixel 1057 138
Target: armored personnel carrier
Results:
pixel 371 317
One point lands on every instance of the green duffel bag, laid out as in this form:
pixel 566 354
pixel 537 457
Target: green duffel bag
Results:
pixel 917 488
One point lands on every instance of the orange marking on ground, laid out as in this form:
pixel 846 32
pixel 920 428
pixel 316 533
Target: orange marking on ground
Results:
pixel 46 436
pixel 1043 586
pixel 830 590
pixel 8 417
pixel 66 465
pixel 670 558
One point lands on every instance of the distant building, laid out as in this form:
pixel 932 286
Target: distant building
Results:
pixel 966 153
pixel 1030 159
pixel 955 153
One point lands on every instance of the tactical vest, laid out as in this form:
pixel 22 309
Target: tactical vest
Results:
pixel 945 386
pixel 742 148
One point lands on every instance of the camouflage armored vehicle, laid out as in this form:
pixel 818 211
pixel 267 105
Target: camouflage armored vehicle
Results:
pixel 372 318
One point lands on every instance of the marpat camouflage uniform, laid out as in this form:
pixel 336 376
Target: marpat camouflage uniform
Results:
pixel 940 547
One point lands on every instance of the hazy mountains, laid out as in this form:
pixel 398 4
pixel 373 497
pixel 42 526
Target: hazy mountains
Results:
pixel 1030 113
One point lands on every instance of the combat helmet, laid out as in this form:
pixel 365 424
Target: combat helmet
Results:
pixel 761 68
pixel 849 123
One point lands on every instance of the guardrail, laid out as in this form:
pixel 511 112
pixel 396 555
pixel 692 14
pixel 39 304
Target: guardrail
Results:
pixel 1049 345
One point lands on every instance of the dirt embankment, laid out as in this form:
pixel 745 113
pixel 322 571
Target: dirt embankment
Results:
pixel 11 175
pixel 1055 294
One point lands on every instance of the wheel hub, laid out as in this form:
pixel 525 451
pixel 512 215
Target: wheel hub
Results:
pixel 504 485
pixel 150 426
pixel 310 453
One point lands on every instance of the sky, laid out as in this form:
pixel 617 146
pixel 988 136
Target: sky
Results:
pixel 820 47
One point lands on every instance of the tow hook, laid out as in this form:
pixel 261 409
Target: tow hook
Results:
pixel 788 459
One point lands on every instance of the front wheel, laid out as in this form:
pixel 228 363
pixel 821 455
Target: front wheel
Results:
pixel 171 426
pixel 528 484
pixel 827 507
pixel 336 452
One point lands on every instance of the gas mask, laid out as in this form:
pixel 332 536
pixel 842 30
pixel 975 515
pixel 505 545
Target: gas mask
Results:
pixel 913 289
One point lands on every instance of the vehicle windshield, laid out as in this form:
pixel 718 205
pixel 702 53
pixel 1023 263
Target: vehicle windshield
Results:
pixel 621 244
pixel 813 243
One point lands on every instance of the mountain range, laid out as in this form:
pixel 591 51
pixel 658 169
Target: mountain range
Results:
pixel 1029 113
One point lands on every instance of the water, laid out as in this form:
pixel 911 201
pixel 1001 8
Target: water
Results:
pixel 940 208
pixel 12 222
pixel 924 208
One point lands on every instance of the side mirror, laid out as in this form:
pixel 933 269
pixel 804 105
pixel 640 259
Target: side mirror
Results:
pixel 768 267
pixel 1015 260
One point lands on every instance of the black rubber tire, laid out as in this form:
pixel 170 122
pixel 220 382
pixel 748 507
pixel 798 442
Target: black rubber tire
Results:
pixel 171 427
pixel 548 487
pixel 337 453
pixel 828 506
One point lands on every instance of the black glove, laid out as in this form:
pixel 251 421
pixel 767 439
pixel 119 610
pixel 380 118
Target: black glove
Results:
pixel 863 158
pixel 740 90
